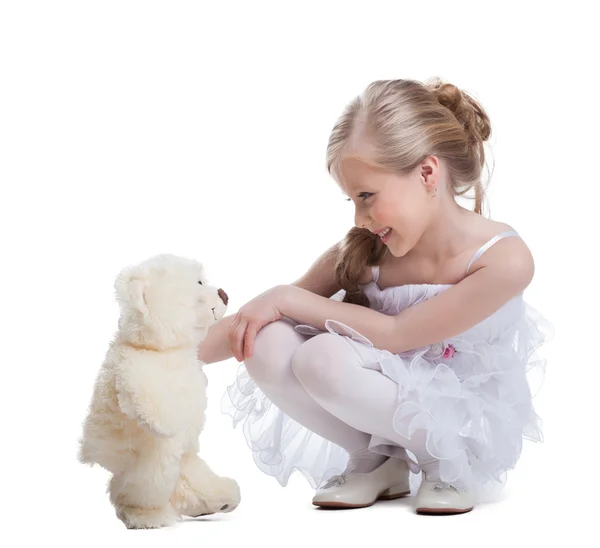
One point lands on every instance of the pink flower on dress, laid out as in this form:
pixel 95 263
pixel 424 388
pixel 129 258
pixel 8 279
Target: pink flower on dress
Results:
pixel 449 351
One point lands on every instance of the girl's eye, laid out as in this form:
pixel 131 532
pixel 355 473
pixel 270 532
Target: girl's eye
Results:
pixel 200 282
pixel 363 196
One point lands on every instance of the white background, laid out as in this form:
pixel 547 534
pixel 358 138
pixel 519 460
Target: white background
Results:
pixel 199 128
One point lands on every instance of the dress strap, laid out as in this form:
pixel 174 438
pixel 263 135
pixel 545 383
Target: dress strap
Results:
pixel 489 244
pixel 375 273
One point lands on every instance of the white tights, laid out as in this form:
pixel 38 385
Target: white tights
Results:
pixel 320 383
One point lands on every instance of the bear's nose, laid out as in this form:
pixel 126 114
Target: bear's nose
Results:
pixel 223 296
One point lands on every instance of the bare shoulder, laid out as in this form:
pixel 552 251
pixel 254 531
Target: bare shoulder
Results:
pixel 510 259
pixel 320 278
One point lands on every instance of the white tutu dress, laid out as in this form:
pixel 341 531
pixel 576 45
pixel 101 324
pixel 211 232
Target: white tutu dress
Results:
pixel 472 394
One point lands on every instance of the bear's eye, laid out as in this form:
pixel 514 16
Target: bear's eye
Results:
pixel 199 282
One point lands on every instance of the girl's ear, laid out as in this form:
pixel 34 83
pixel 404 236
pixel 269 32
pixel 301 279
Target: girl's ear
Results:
pixel 429 170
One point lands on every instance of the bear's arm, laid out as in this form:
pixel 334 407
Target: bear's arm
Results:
pixel 145 392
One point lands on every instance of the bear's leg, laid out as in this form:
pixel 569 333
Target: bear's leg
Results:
pixel 141 492
pixel 200 491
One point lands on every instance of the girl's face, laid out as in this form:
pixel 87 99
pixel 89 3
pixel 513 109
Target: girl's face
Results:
pixel 399 208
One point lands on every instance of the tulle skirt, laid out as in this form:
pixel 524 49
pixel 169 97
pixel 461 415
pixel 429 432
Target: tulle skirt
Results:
pixel 472 395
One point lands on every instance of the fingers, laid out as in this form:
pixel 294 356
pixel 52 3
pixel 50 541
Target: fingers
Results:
pixel 242 334
pixel 238 341
pixel 233 335
pixel 251 331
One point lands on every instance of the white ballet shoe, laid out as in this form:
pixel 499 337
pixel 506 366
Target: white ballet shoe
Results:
pixel 437 497
pixel 359 490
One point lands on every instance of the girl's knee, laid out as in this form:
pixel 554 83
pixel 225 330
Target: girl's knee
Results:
pixel 274 347
pixel 320 360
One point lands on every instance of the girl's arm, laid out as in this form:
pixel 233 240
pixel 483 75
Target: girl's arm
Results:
pixel 318 280
pixel 320 277
pixel 215 346
pixel 504 272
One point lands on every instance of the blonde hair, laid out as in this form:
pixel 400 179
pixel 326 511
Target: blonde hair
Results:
pixel 405 121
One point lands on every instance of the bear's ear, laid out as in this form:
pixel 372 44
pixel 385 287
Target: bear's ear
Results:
pixel 132 291
pixel 137 293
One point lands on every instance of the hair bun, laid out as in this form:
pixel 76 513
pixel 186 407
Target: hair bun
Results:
pixel 466 109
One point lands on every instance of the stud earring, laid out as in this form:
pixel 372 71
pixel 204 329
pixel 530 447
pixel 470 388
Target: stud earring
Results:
pixel 434 193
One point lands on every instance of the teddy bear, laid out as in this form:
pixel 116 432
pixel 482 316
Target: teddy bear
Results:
pixel 149 399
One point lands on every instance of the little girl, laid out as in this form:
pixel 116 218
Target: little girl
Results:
pixel 405 347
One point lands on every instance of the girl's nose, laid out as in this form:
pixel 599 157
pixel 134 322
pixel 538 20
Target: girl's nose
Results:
pixel 360 221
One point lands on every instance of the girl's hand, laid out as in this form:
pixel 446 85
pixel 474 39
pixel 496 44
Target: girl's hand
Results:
pixel 251 318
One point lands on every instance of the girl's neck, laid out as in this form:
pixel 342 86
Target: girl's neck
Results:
pixel 445 237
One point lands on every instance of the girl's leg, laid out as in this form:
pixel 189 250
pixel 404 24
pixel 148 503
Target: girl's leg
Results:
pixel 271 369
pixel 331 371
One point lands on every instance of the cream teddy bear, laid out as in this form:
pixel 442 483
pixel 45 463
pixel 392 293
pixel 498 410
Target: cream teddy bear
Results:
pixel 149 398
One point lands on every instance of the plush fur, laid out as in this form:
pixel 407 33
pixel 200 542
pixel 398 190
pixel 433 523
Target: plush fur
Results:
pixel 149 400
